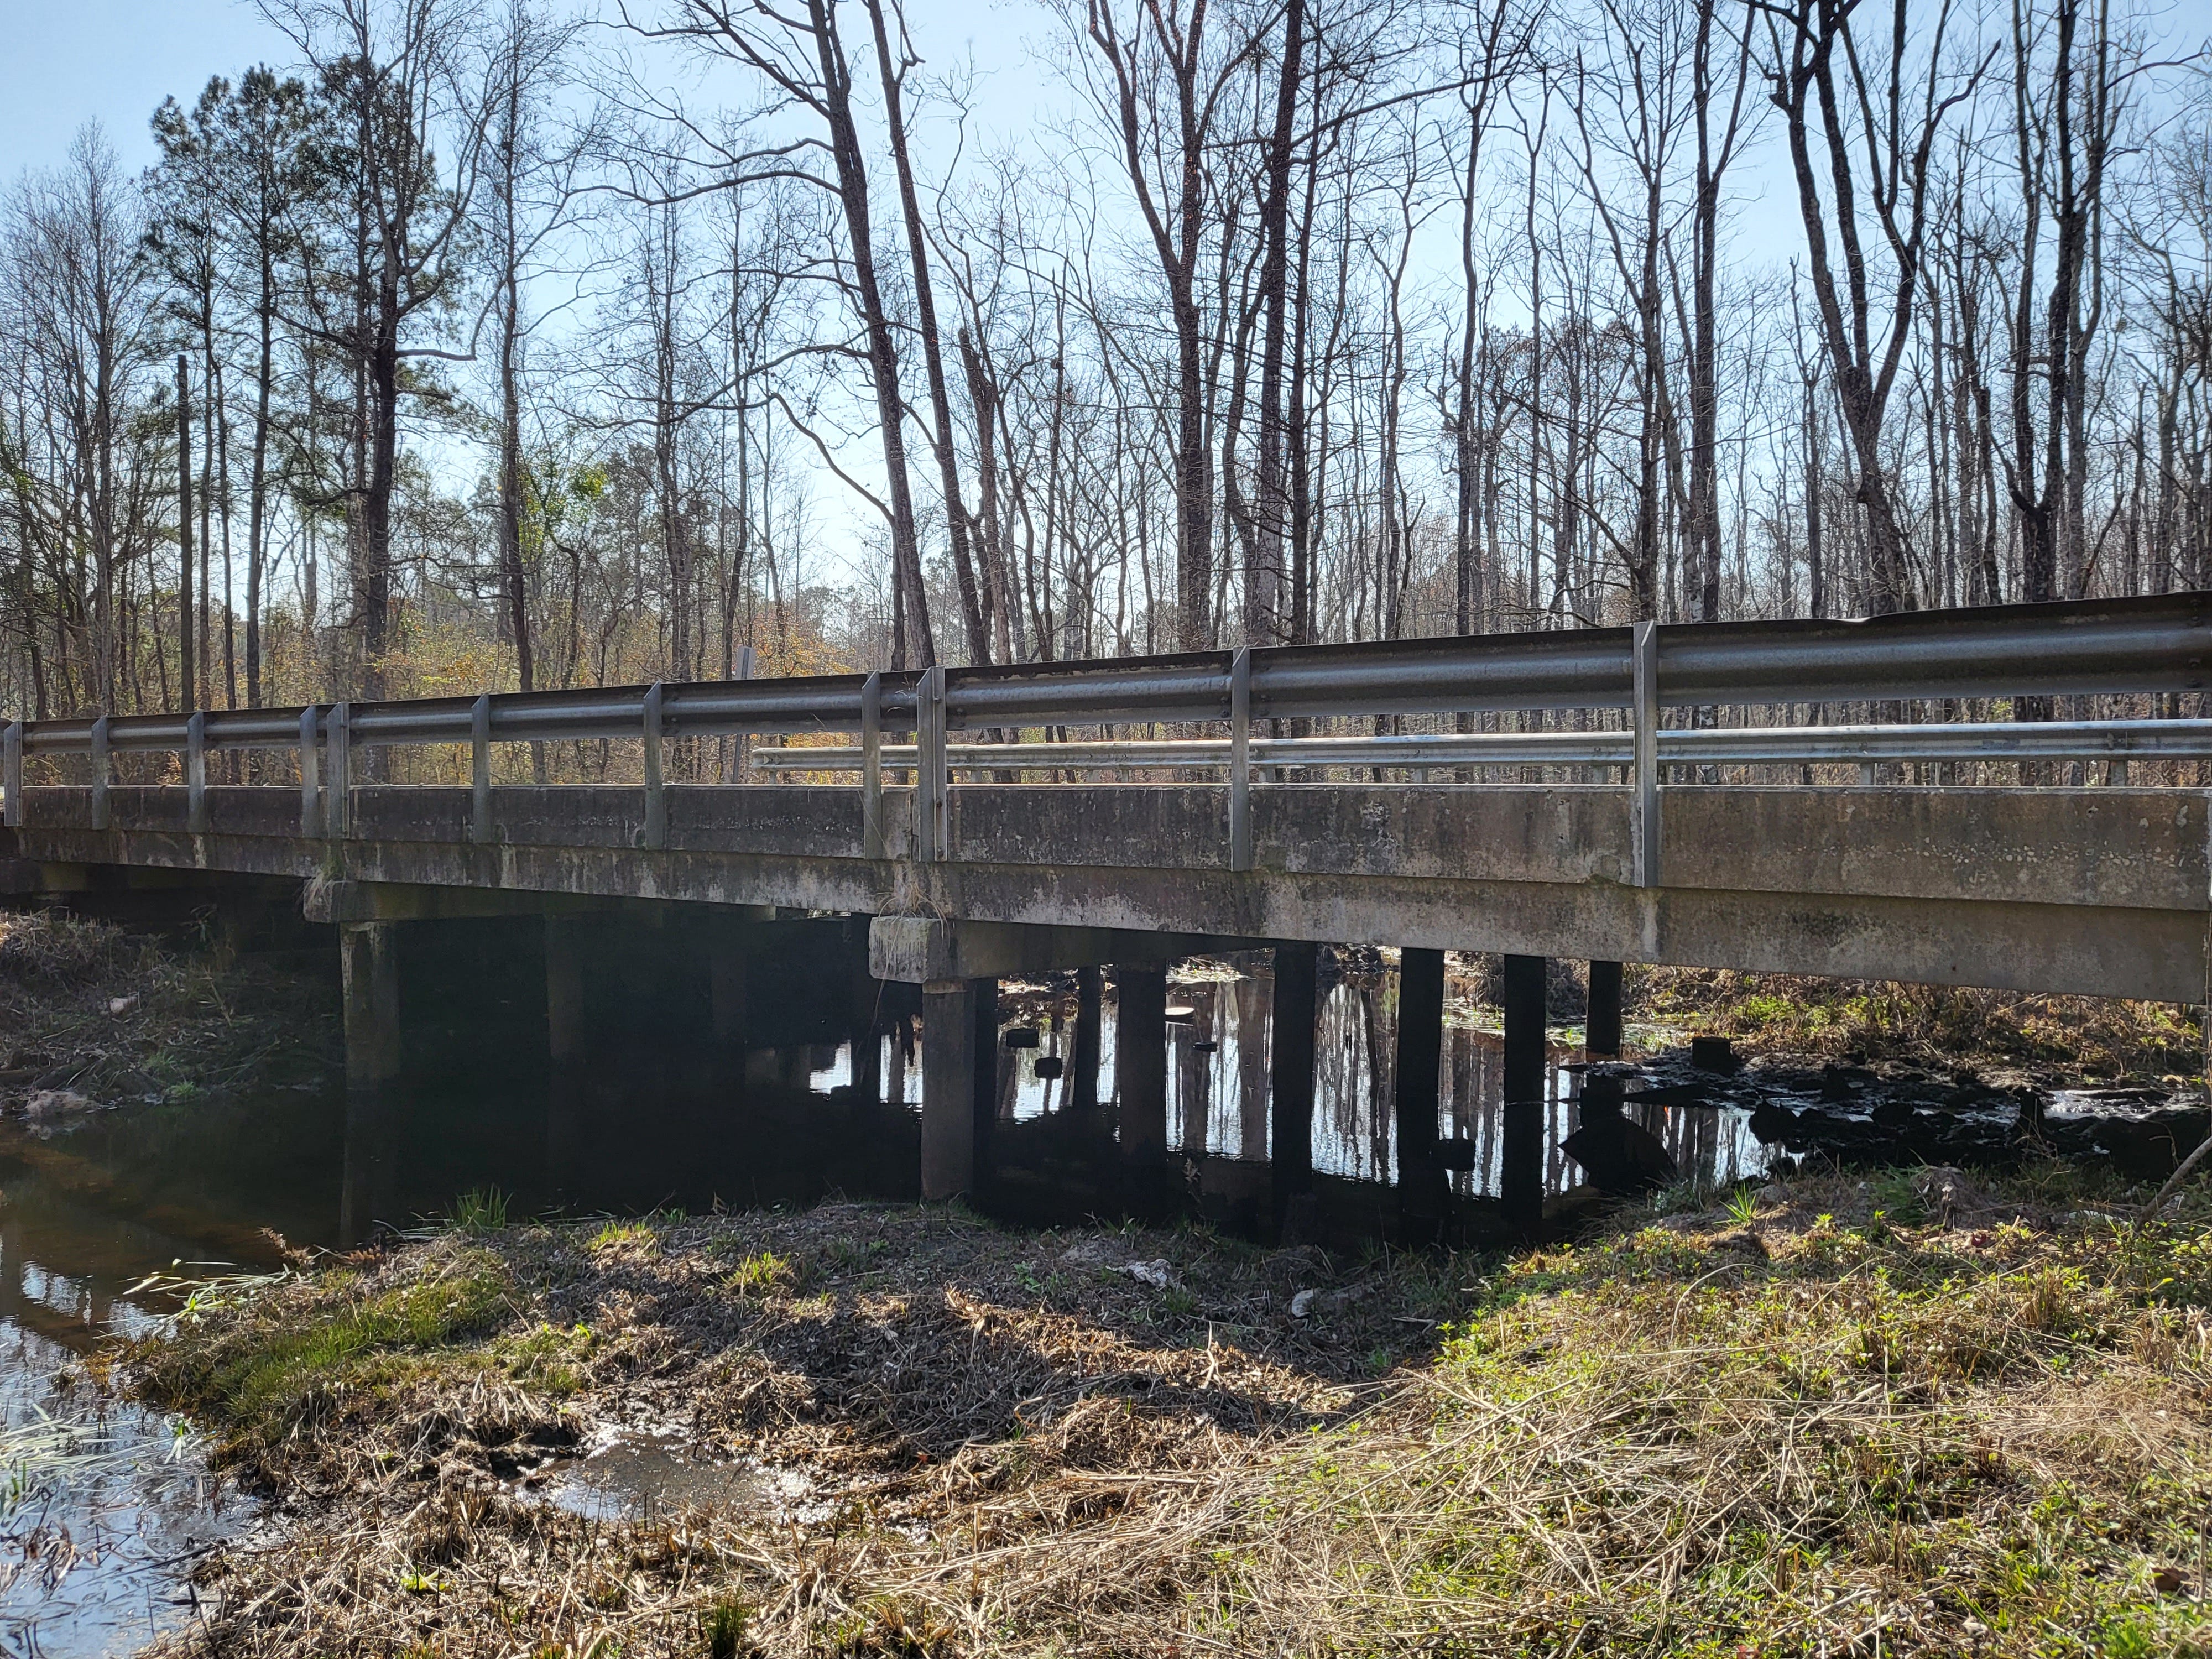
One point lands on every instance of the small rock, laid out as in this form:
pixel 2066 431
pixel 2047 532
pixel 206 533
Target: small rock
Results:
pixel 1159 1273
pixel 121 1006
pixel 1773 1193
pixel 1943 1189
pixel 2167 1581
pixel 1975 1627
pixel 1302 1303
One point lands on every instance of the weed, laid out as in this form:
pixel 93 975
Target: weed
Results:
pixel 762 1274
pixel 1742 1207
pixel 480 1210
pixel 724 1628
pixel 616 1234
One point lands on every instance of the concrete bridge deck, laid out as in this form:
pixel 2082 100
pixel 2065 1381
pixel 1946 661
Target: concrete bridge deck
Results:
pixel 2100 891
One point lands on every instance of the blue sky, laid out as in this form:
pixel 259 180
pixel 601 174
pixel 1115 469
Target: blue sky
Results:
pixel 70 61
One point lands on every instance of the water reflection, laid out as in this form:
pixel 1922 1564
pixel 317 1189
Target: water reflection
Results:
pixel 1219 1087
pixel 101 1503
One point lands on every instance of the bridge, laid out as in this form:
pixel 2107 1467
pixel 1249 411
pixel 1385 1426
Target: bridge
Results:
pixel 2008 796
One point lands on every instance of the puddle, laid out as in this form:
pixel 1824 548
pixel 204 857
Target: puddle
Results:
pixel 633 1474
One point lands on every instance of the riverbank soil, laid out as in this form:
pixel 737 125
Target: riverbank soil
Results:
pixel 1912 1413
pixel 91 1016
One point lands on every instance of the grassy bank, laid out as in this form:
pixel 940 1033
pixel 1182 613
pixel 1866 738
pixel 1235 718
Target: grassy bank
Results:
pixel 1916 1416
pixel 91 1015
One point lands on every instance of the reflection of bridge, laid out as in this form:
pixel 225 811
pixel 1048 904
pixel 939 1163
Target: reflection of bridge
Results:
pixel 1429 795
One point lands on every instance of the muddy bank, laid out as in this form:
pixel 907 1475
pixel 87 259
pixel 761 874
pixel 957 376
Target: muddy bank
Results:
pixel 1963 1415
pixel 1896 1113
pixel 93 1017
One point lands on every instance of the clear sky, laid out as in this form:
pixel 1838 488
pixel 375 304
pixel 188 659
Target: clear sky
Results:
pixel 66 62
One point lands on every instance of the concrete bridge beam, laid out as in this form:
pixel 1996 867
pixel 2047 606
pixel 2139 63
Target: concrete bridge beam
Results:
pixel 918 950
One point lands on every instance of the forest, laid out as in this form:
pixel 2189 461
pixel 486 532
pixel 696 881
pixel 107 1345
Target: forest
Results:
pixel 477 344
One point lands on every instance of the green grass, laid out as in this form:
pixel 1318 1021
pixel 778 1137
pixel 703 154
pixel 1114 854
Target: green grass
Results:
pixel 481 1209
pixel 762 1274
pixel 268 1374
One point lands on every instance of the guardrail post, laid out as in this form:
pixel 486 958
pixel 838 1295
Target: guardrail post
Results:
pixel 100 769
pixel 337 809
pixel 872 768
pixel 480 770
pixel 656 800
pixel 1644 805
pixel 931 818
pixel 196 773
pixel 1240 759
pixel 11 774
pixel 741 668
pixel 311 803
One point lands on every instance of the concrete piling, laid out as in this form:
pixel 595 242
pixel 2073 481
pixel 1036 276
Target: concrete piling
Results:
pixel 959 1079
pixel 1423 1194
pixel 368 966
pixel 1601 1021
pixel 1090 1015
pixel 1521 1186
pixel 726 976
pixel 565 954
pixel 1140 1063
pixel 1291 1087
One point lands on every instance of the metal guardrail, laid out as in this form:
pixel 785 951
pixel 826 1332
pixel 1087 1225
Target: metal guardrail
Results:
pixel 2155 645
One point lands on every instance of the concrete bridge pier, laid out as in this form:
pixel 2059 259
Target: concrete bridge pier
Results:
pixel 1521 1176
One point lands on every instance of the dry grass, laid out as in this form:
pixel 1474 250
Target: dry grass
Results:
pixel 1972 1422
pixel 2063 1039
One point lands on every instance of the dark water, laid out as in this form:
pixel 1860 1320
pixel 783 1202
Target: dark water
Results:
pixel 822 1098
